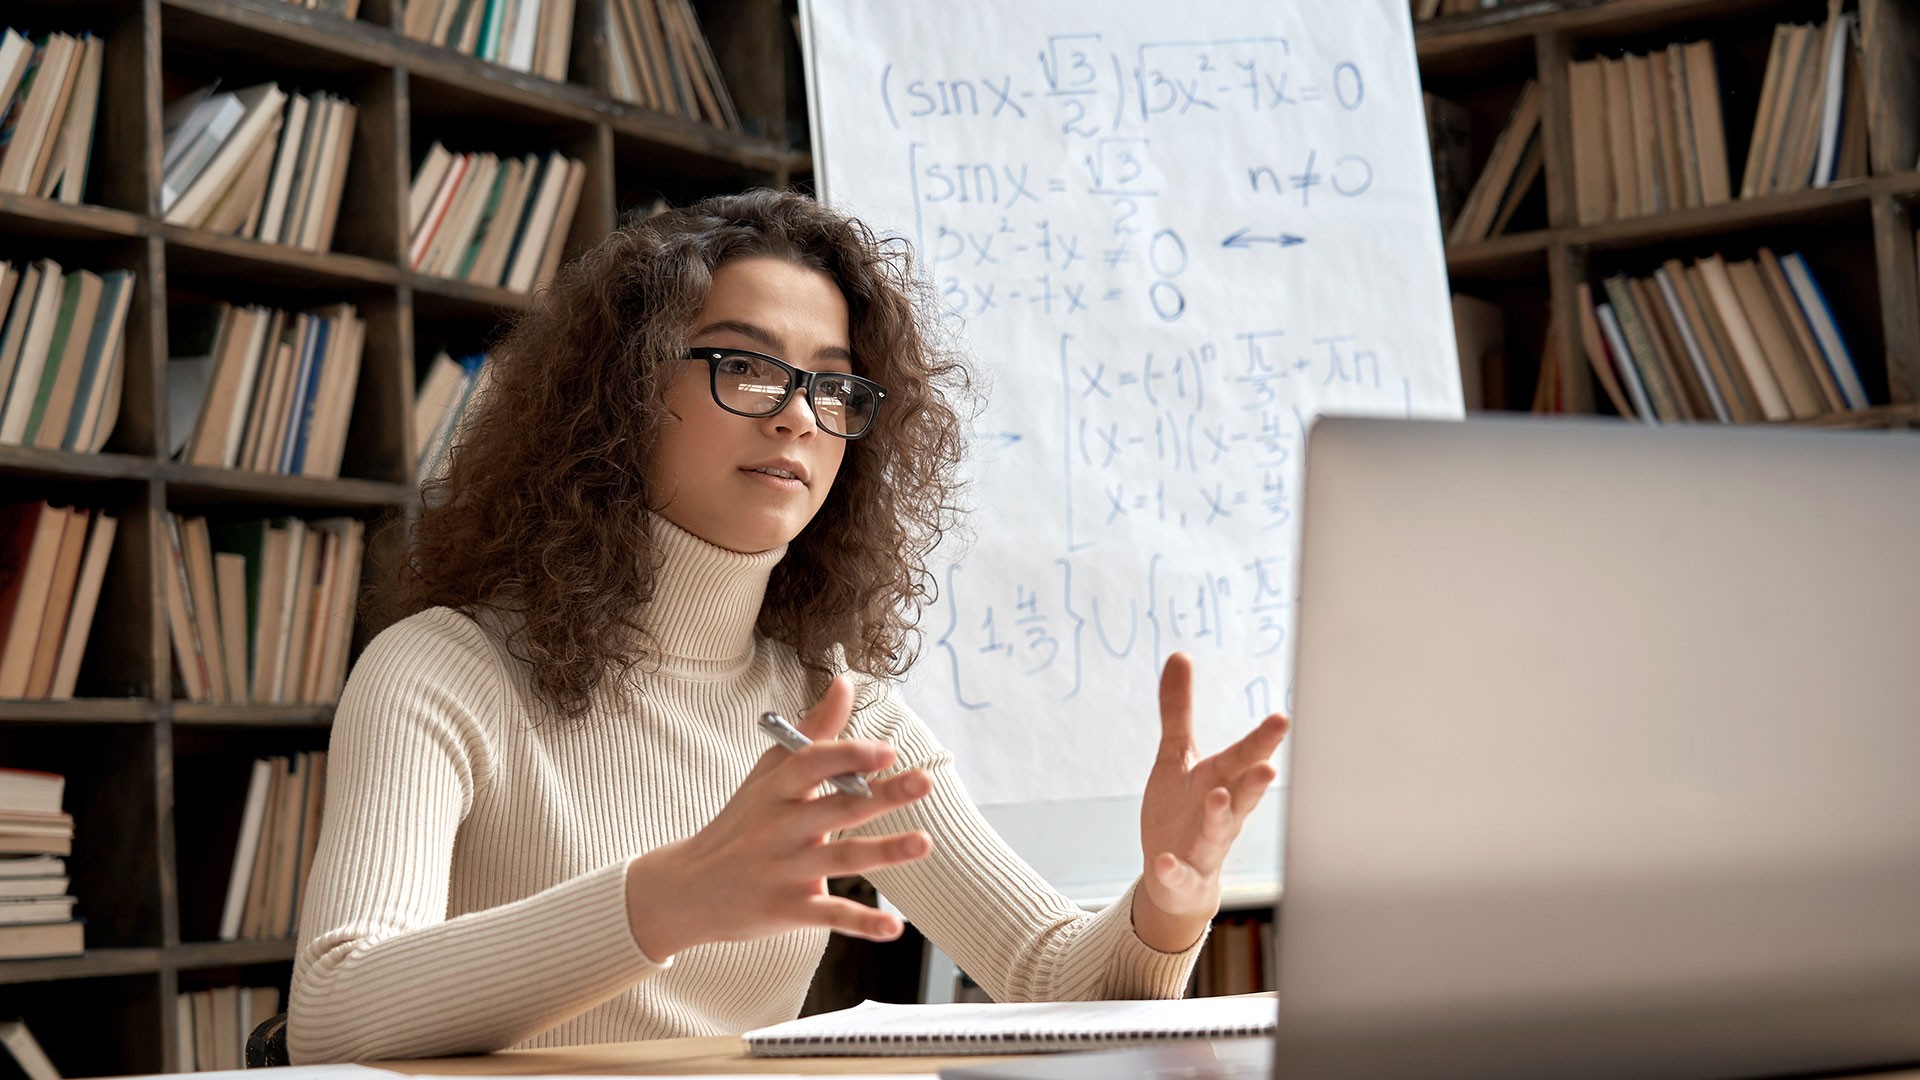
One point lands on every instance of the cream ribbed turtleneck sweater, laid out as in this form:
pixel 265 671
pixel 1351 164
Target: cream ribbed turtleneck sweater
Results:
pixel 469 891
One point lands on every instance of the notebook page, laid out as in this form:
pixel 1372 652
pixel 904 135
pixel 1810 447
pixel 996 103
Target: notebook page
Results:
pixel 993 1027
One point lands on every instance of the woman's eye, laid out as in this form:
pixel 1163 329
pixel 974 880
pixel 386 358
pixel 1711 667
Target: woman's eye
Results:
pixel 734 365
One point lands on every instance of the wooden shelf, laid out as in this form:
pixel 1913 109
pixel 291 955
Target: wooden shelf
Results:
pixel 445 296
pixel 93 964
pixel 82 711
pixel 290 716
pixel 1457 41
pixel 1501 258
pixel 28 461
pixel 203 484
pixel 25 215
pixel 211 954
pixel 1793 208
pixel 196 251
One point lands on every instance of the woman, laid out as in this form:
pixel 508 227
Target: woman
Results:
pixel 702 484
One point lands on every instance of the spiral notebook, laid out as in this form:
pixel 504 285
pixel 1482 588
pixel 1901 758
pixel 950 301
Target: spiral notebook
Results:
pixel 872 1027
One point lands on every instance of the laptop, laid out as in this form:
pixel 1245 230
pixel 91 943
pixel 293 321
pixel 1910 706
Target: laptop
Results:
pixel 1606 758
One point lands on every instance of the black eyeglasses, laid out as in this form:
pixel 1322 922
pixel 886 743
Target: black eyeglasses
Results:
pixel 754 384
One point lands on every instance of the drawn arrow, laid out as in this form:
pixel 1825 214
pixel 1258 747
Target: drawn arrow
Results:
pixel 1004 438
pixel 1242 240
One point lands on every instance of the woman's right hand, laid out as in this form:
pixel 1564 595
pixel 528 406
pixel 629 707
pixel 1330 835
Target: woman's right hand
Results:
pixel 760 867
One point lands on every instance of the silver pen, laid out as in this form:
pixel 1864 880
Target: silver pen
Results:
pixel 787 735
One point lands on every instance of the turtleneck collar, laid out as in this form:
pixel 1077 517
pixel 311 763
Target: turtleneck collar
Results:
pixel 706 601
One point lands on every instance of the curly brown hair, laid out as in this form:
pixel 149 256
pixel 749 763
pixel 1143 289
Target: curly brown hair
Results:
pixel 538 512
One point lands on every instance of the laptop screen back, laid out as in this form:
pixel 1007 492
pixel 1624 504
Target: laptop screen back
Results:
pixel 1606 757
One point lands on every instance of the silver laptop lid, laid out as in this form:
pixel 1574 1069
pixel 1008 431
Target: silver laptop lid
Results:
pixel 1607 753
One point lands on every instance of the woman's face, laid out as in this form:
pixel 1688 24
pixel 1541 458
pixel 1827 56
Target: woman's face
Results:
pixel 708 464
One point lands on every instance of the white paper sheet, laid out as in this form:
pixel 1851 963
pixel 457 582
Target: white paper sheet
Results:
pixel 1172 234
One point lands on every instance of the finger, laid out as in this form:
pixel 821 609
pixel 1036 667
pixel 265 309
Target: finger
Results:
pixel 838 812
pixel 1218 823
pixel 801 775
pixel 1175 874
pixel 1250 785
pixel 859 854
pixel 1176 709
pixel 1253 748
pixel 828 716
pixel 853 919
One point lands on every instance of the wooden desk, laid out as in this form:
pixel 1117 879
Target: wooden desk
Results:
pixel 715 1054
pixel 667 1057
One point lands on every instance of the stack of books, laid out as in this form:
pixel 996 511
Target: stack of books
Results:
pixel 263 389
pixel 438 405
pixel 262 612
pixel 61 355
pixel 36 914
pixel 1735 342
pixel 49 93
pixel 661 61
pixel 1510 173
pixel 1647 133
pixel 52 563
pixel 279 828
pixel 214 1024
pixel 1811 128
pixel 525 35
pixel 258 163
pixel 491 220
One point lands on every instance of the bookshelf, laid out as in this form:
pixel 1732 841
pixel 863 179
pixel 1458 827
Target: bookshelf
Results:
pixel 155 783
pixel 1858 235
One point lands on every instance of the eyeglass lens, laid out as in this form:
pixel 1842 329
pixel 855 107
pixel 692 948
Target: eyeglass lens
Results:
pixel 753 386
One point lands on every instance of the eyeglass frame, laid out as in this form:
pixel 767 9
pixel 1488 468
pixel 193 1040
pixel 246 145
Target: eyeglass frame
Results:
pixel 797 379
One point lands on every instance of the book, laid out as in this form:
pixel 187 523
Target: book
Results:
pixel 26 1051
pixel 240 881
pixel 30 539
pixel 1496 178
pixel 1012 1027
pixel 41 95
pixel 60 381
pixel 1649 177
pixel 97 406
pixel 23 887
pixel 1709 130
pixel 33 792
pixel 261 105
pixel 1833 348
pixel 1741 339
pixel 1593 344
pixel 35 909
pixel 60 590
pixel 42 939
pixel 93 572
pixel 73 148
pixel 189 655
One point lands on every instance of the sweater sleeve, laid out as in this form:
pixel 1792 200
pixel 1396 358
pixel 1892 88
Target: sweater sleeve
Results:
pixel 985 907
pixel 381 971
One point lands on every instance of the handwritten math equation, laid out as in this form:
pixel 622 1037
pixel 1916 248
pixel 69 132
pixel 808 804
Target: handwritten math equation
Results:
pixel 1050 634
pixel 1092 219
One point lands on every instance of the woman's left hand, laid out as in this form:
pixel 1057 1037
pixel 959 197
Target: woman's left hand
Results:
pixel 1191 813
